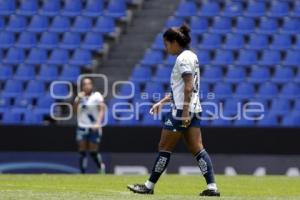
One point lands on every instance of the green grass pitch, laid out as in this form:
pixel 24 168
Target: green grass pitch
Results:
pixel 170 187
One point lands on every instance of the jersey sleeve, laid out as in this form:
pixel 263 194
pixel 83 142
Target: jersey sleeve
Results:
pixel 184 66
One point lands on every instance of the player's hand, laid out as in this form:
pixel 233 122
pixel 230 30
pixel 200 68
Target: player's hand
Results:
pixel 95 127
pixel 81 94
pixel 156 108
pixel 186 119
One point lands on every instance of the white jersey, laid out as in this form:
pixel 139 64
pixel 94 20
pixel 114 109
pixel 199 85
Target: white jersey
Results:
pixel 186 63
pixel 88 110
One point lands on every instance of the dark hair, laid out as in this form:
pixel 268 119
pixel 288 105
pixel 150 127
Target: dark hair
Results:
pixel 181 35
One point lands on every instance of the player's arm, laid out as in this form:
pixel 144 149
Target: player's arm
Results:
pixel 101 109
pixel 157 107
pixel 77 100
pixel 188 90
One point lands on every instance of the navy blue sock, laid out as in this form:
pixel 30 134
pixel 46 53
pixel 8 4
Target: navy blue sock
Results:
pixel 205 166
pixel 160 165
pixel 82 161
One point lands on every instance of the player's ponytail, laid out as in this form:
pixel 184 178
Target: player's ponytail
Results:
pixel 181 35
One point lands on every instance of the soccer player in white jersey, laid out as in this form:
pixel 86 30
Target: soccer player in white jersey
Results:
pixel 90 109
pixel 184 118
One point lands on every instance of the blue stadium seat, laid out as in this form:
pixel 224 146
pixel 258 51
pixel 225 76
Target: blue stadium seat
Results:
pixel 221 25
pixel 37 56
pixel 59 57
pixel 223 57
pixel 296 45
pixel 267 90
pixel 14 56
pixel 291 120
pixel 204 90
pixel 221 122
pixel 70 73
pixel 70 41
pixel 5 104
pixel 296 9
pixel 25 73
pixel 17 23
pixel 259 74
pixel 11 118
pixel 244 25
pixel 212 74
pixel 174 22
pixel 28 7
pixel 93 8
pixel 292 58
pixel 244 90
pixel 231 106
pixel 148 120
pixel 48 73
pixel 255 9
pixel 258 42
pixel 116 8
pixel 270 58
pixel 255 107
pixel 235 75
pixel 290 90
pixel 34 89
pixel 82 24
pixel 210 41
pixel 38 24
pixel 7 7
pixel 50 8
pixel 234 42
pixel 140 74
pixel 280 107
pixel 7 39
pixel 204 57
pixel 48 40
pixel 2 24
pixel 222 90
pixel 268 26
pixel 269 120
pixel 247 57
pixel 153 89
pixel 93 41
pixel 281 42
pixel 162 74
pixel 104 25
pixel 26 40
pixel 72 8
pixel 128 90
pixel 282 75
pixel 297 77
pixel 279 9
pixel 60 24
pixel 6 72
pixel 209 9
pixel 186 9
pixel 158 42
pixel 32 118
pixel 195 40
pixel 81 57
pixel 233 9
pixel 244 122
pixel 296 107
pixel 44 104
pixel 291 26
pixel 152 58
pixel 60 90
pixel 170 60
pixel 12 88
pixel 198 25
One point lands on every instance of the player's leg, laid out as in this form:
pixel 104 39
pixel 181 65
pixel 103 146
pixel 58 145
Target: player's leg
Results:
pixel 83 160
pixel 166 145
pixel 93 146
pixel 96 156
pixel 193 139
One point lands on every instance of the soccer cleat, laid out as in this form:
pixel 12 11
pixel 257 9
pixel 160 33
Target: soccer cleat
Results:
pixel 102 169
pixel 140 189
pixel 207 192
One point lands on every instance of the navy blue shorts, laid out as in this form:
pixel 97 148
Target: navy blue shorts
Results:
pixel 89 135
pixel 172 123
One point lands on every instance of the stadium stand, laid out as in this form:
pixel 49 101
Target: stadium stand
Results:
pixel 248 50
